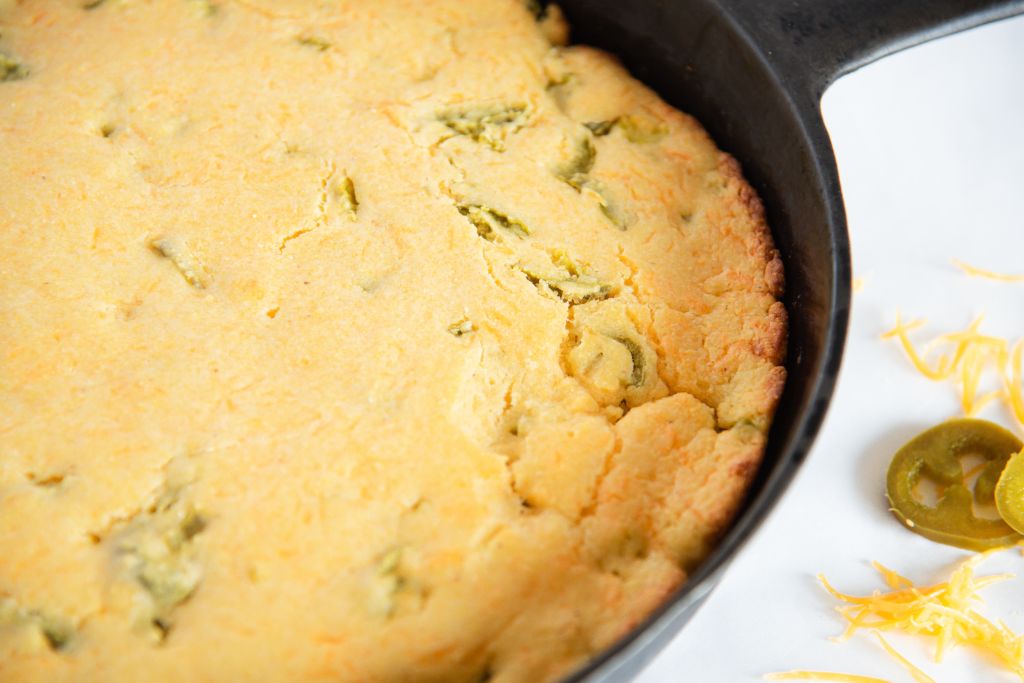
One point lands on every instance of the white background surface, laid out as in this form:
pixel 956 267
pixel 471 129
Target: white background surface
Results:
pixel 930 144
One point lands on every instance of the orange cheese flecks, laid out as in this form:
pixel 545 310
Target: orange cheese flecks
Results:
pixel 944 611
pixel 964 358
pixel 941 371
pixel 988 274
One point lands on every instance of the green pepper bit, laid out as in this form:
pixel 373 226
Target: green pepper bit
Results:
pixel 642 130
pixel 571 288
pixel 574 171
pixel 536 8
pixel 178 252
pixel 345 191
pixel 158 553
pixel 490 222
pixel 57 631
pixel 486 124
pixel 386 582
pixel 611 209
pixel 934 455
pixel 11 69
pixel 636 354
pixel 462 327
pixel 601 128
pixel 316 42
pixel 561 88
pixel 205 7
pixel 1009 492
pixel 560 81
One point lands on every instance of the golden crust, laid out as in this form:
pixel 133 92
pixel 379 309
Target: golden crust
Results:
pixel 362 363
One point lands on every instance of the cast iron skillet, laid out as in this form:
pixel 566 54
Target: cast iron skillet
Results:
pixel 753 72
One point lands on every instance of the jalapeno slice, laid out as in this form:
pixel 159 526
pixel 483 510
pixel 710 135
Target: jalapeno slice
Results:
pixel 935 455
pixel 1010 492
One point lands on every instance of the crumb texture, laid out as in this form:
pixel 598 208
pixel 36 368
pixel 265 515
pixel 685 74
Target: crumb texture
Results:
pixel 351 341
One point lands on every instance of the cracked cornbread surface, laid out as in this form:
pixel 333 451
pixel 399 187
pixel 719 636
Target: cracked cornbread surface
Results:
pixel 358 341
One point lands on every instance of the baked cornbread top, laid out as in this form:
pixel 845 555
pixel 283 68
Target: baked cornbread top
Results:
pixel 358 341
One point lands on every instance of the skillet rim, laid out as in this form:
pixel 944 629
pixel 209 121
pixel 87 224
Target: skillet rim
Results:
pixel 631 653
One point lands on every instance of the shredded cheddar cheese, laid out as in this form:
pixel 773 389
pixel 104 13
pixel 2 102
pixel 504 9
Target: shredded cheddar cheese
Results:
pixel 964 358
pixel 944 611
pixel 988 274
pixel 941 371
pixel 892 579
pixel 919 676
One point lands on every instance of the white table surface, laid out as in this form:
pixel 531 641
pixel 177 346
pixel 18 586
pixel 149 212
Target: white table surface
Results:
pixel 930 144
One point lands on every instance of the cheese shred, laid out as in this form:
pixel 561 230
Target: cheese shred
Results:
pixel 942 369
pixel 944 611
pixel 919 676
pixel 966 357
pixel 987 274
pixel 892 579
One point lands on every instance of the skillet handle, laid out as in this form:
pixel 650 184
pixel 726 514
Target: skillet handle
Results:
pixel 814 42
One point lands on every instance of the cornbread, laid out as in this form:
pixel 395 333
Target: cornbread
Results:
pixel 358 341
